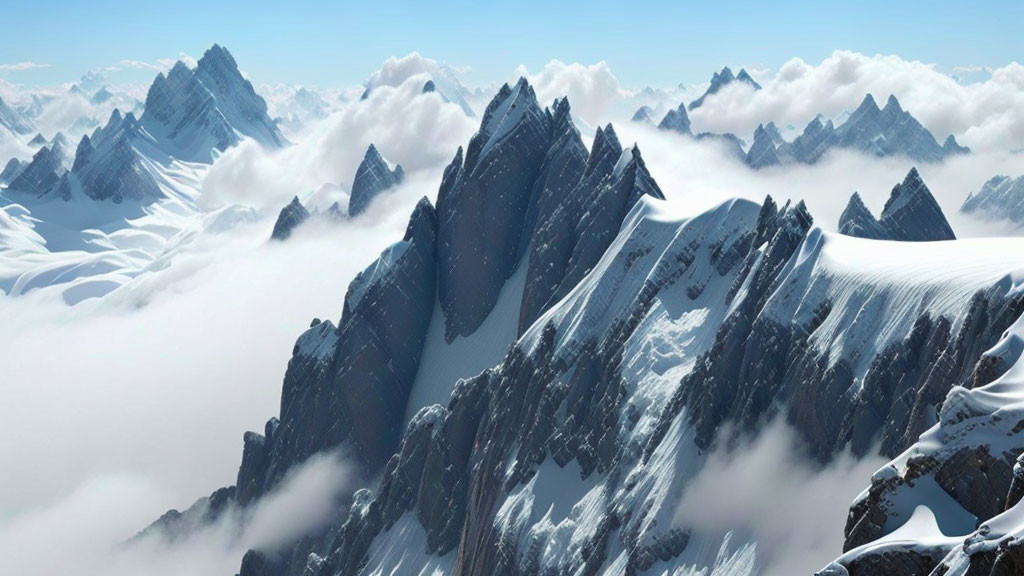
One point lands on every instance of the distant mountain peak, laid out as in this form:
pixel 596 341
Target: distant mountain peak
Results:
pixel 722 79
pixel 643 115
pixel 194 112
pixel 893 104
pixel 373 176
pixel 676 120
pixel 290 217
pixel 911 214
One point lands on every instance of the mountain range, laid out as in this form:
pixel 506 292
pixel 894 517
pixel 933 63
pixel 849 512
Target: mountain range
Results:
pixel 623 338
pixel 880 132
pixel 530 378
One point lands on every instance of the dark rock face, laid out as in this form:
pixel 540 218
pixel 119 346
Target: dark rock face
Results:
pixel 762 151
pixel 857 220
pixel 911 214
pixel 290 217
pixel 583 202
pixel 722 79
pixel 43 173
pixel 676 120
pixel 355 384
pixel 1001 197
pixel 11 170
pixel 108 167
pixel 482 206
pixel 892 560
pixel 372 177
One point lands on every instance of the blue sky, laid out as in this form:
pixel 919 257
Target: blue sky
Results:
pixel 340 43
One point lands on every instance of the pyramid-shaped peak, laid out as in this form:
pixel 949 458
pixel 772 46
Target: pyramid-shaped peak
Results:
pixel 913 178
pixel 893 104
pixel 868 103
pixel 218 55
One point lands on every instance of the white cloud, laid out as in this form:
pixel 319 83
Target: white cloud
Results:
pixel 396 70
pixel 135 404
pixel 20 66
pixel 592 89
pixel 794 509
pixel 418 131
pixel 86 533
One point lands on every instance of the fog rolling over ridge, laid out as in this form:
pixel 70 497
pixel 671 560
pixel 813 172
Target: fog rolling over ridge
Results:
pixel 550 324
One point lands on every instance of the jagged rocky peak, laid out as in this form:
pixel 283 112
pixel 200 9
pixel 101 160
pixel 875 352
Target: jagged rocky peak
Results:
pixel 676 120
pixel 38 140
pixel 44 171
pixel 952 147
pixel 857 220
pixel 483 205
pixel 11 171
pixel 373 176
pixel 290 217
pixel 721 79
pixel 643 115
pixel 762 151
pixel 193 112
pixel 513 109
pixel 1001 197
pixel 773 131
pixel 745 77
pixel 107 165
pixel 911 214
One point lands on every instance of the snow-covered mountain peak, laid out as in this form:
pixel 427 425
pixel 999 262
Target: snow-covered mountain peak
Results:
pixel 191 113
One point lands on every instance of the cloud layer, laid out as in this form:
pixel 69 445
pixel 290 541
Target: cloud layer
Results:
pixel 419 131
pixel 985 115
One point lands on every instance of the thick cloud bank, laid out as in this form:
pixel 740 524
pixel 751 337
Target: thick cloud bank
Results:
pixel 988 114
pixel 794 509
pixel 418 131
pixel 87 533
pixel 592 89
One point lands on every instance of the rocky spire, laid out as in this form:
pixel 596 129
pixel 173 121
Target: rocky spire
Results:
pixel 373 176
pixel 290 217
pixel 857 220
pixel 912 214
pixel 762 152
pixel 676 120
